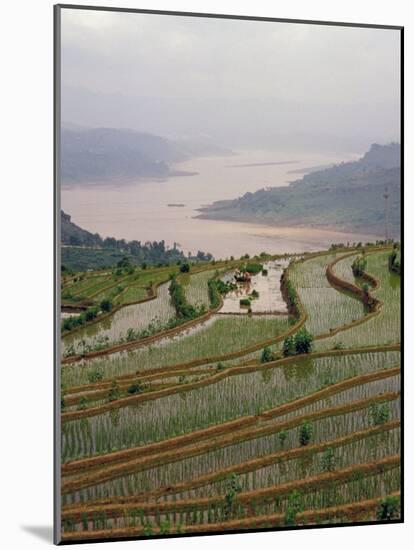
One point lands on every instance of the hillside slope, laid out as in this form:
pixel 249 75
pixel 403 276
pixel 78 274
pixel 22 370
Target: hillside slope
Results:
pixel 72 234
pixel 348 196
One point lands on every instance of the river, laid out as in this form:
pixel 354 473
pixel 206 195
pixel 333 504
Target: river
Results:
pixel 140 209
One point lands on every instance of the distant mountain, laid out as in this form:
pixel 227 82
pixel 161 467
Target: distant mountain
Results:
pixel 348 196
pixel 99 154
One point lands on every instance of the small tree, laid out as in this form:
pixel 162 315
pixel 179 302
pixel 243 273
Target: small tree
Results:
pixel 282 437
pixel 114 392
pixel 106 304
pixel 359 265
pixel 379 414
pixel 328 460
pixel 233 487
pixel 135 388
pixel 267 355
pixel 389 508
pixel 303 341
pixel 294 506
pixel 91 313
pixel 289 347
pixel 95 375
pixel 83 403
pixel 305 433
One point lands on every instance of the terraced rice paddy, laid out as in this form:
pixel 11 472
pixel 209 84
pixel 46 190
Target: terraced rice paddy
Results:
pixel 137 316
pixel 327 308
pixel 195 287
pixel 196 432
pixel 216 336
pixel 383 328
pixel 267 286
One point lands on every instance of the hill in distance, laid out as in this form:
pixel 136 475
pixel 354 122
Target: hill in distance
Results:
pixel 348 197
pixel 101 154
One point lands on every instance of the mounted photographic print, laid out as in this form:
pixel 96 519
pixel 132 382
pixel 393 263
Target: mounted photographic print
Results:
pixel 228 223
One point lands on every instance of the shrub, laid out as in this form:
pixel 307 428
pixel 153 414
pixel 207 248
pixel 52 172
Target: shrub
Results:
pixel 106 304
pixel 95 375
pixel 294 506
pixel 267 355
pixel 135 388
pixel 303 341
pixel 83 403
pixel 114 392
pixel 183 308
pixel 389 508
pixel 125 263
pixel 328 460
pixel 379 414
pixel 91 313
pixel 305 433
pixel 233 487
pixel 245 302
pixel 359 265
pixel 299 343
pixel 253 268
pixel 185 268
pixel 282 437
pixel 289 346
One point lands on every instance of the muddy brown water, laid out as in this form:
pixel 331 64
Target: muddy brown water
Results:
pixel 139 209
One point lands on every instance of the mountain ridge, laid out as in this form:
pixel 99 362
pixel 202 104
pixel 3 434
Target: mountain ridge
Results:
pixel 348 196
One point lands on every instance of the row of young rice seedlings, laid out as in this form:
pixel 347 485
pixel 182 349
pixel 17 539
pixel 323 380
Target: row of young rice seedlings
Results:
pixel 86 400
pixel 187 469
pixel 312 273
pixel 230 398
pixel 327 308
pixel 136 316
pixel 122 280
pixel 384 328
pixel 113 286
pixel 142 280
pixel 87 285
pixel 133 294
pixel 196 287
pixel 356 393
pixel 370 449
pixel 217 336
pixel 361 488
pixel 343 269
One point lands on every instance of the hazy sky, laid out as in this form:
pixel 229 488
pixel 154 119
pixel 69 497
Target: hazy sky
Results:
pixel 182 76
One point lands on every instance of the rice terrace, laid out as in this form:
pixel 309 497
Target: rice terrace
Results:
pixel 209 396
pixel 229 257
